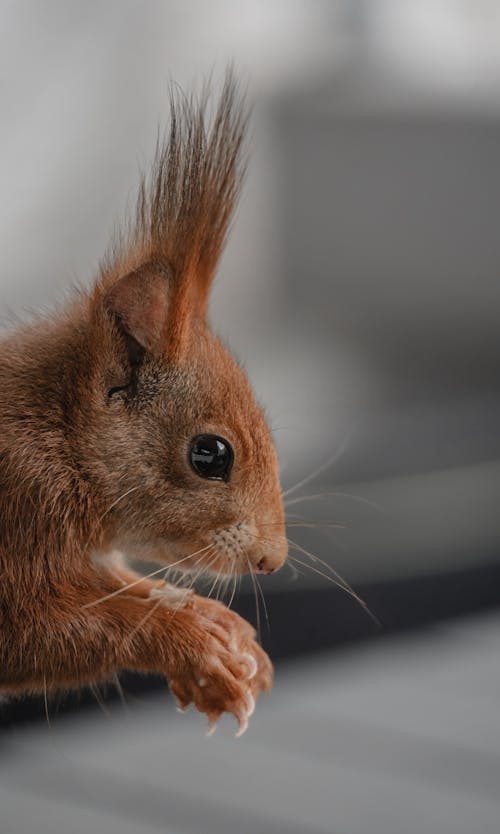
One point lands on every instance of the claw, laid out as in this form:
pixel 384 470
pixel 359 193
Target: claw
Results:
pixel 243 726
pixel 243 716
pixel 250 704
pixel 212 726
pixel 252 663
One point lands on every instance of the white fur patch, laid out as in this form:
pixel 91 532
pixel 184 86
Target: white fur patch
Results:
pixel 171 595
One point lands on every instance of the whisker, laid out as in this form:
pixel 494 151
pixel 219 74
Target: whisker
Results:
pixel 335 494
pixel 196 574
pixel 264 604
pixel 222 587
pixel 235 585
pixel 324 466
pixel 336 524
pixel 316 570
pixel 145 619
pixel 124 588
pixel 257 607
pixel 326 565
pixel 200 571
pixel 111 507
pixel 160 601
pixel 341 585
pixel 230 584
pixel 46 702
pixel 206 567
pixel 97 695
pixel 121 693
pixel 214 585
pixel 315 523
pixel 225 586
pixel 336 578
pixel 142 578
pixel 183 575
pixel 293 570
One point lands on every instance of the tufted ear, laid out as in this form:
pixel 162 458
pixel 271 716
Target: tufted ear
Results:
pixel 180 225
pixel 140 301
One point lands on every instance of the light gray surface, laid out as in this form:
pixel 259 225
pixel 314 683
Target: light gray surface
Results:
pixel 399 737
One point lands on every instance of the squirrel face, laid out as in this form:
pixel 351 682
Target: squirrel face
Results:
pixel 185 457
pixel 148 434
pixel 171 432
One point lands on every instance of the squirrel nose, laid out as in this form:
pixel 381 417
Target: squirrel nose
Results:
pixel 273 560
pixel 263 568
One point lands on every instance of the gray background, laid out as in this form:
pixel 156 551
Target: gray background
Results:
pixel 361 288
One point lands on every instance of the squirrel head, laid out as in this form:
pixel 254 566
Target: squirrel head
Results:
pixel 169 427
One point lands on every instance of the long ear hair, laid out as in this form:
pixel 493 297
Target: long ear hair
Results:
pixel 186 202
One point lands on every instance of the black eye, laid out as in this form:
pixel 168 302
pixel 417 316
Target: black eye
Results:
pixel 211 457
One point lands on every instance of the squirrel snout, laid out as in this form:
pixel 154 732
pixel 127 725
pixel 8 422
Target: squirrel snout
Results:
pixel 263 566
pixel 241 542
pixel 273 559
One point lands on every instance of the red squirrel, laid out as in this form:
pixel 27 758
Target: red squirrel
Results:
pixel 127 429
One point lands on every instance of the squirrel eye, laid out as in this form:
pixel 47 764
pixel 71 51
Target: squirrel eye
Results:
pixel 211 457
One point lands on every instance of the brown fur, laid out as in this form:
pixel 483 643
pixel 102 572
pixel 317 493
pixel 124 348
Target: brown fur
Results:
pixel 98 406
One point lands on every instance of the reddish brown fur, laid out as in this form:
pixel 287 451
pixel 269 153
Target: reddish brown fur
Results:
pixel 83 472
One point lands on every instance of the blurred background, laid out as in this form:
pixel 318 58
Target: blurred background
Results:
pixel 361 288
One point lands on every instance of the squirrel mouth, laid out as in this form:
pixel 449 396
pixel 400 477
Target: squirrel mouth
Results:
pixel 230 551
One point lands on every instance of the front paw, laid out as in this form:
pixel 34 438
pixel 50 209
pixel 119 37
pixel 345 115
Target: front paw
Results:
pixel 228 671
pixel 242 640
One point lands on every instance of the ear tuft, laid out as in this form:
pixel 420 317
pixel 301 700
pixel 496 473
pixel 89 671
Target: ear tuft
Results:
pixel 139 302
pixel 186 202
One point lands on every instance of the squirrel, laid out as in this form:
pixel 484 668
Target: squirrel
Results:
pixel 128 431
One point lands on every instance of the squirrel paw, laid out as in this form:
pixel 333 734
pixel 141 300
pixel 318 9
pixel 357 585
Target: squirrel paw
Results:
pixel 230 670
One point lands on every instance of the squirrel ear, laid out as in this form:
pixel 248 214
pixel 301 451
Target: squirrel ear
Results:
pixel 139 302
